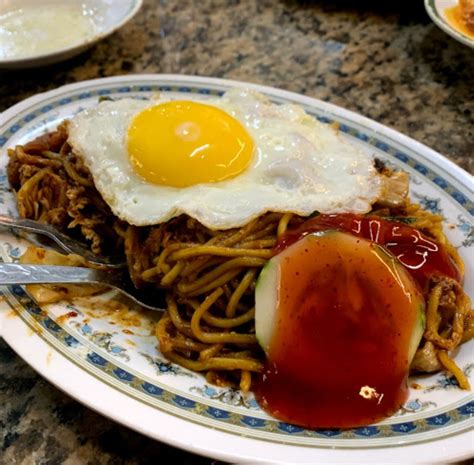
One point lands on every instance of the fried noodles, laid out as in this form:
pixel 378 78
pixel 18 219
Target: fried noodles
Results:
pixel 208 277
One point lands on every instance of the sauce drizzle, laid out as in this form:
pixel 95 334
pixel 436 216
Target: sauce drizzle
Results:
pixel 423 257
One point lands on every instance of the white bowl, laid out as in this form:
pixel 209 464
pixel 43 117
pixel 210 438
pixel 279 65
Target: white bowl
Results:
pixel 109 16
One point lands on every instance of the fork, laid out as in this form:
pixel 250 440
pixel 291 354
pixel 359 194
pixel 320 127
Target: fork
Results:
pixel 15 273
pixel 68 244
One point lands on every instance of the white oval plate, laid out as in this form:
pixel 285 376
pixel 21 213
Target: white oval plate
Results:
pixel 109 16
pixel 123 376
pixel 436 11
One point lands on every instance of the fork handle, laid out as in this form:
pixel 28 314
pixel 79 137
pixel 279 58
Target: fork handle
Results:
pixel 43 228
pixel 16 273
pixel 62 240
pixel 22 223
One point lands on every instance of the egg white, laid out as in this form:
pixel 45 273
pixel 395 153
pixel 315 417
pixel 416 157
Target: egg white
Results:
pixel 300 165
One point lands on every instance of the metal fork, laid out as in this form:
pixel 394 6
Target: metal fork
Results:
pixel 66 243
pixel 15 273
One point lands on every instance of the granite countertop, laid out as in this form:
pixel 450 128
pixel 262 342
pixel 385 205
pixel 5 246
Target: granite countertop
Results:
pixel 385 61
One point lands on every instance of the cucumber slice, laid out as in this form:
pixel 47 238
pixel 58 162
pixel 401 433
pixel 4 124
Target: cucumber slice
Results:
pixel 266 296
pixel 267 291
pixel 408 283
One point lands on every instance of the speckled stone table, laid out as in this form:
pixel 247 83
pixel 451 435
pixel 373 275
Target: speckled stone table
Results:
pixel 385 60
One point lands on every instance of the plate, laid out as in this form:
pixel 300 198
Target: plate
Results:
pixel 108 16
pixel 437 12
pixel 112 364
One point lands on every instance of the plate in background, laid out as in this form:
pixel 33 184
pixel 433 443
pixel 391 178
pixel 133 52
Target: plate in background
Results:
pixel 123 376
pixel 107 17
pixel 437 12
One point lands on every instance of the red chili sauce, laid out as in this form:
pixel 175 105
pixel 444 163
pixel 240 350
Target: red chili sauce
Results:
pixel 422 256
pixel 338 357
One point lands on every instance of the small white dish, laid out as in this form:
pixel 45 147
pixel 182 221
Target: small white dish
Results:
pixel 103 18
pixel 436 9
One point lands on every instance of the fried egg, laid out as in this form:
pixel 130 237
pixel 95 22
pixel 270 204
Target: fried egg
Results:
pixel 223 161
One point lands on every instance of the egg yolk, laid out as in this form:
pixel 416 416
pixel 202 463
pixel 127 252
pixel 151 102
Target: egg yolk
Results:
pixel 182 143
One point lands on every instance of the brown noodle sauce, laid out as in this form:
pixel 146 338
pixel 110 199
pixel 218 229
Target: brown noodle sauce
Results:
pixel 66 316
pixel 118 311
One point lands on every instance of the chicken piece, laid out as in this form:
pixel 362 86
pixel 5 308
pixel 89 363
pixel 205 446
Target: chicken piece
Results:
pixel 394 189
pixel 426 360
